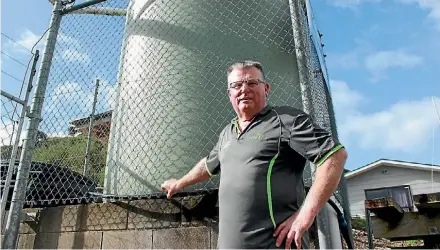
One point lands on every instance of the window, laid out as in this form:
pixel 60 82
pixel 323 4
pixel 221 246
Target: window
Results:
pixel 401 194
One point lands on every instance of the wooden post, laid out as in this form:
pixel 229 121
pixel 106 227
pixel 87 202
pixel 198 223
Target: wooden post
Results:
pixel 369 229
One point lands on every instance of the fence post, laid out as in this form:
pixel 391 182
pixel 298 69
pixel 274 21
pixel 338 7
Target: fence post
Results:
pixel 19 194
pixel 89 134
pixel 11 166
pixel 301 49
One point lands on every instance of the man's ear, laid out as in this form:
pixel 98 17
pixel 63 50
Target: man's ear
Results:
pixel 267 89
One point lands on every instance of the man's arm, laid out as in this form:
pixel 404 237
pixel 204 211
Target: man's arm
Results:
pixel 203 170
pixel 197 174
pixel 327 178
pixel 329 155
pixel 324 150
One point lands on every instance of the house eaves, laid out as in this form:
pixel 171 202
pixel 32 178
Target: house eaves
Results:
pixel 391 163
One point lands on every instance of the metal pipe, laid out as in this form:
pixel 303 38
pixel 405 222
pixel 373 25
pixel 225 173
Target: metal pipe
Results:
pixel 89 134
pixel 342 183
pixel 333 223
pixel 19 194
pixel 11 166
pixel 12 98
pixel 317 46
pixel 106 11
pixel 300 53
pixel 323 218
pixel 80 6
pixel 109 170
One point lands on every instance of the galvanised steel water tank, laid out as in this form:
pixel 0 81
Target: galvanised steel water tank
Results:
pixel 172 102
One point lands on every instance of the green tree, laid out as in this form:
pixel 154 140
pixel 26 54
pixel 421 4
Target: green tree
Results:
pixel 71 152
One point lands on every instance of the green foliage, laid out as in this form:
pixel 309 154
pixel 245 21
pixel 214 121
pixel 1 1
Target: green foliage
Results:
pixel 71 152
pixel 6 151
pixel 415 242
pixel 359 223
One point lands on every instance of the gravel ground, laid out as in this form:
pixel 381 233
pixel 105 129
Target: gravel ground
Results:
pixel 361 242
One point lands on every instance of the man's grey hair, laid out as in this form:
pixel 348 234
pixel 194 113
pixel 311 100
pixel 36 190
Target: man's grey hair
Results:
pixel 246 64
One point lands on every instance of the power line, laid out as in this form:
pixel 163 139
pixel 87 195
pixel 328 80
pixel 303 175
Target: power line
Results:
pixel 12 58
pixel 3 34
pixel 435 107
pixel 13 77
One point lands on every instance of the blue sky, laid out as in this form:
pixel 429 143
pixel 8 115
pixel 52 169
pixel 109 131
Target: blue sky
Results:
pixel 382 59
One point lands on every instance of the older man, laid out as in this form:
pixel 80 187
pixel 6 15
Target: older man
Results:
pixel 261 156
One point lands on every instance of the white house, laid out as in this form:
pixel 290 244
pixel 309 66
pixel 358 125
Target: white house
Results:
pixel 397 179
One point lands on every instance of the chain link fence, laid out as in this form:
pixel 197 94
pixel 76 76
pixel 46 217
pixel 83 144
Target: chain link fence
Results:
pixel 161 101
pixel 14 100
pixel 321 105
pixel 137 95
pixel 10 116
pixel 10 122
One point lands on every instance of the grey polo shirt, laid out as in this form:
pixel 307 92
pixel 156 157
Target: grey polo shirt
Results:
pixel 261 173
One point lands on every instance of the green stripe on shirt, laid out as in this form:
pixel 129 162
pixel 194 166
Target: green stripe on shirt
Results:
pixel 269 190
pixel 326 156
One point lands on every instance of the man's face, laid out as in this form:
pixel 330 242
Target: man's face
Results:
pixel 246 90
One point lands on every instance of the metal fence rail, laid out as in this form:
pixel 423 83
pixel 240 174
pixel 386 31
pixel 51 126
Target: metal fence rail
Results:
pixel 134 92
pixel 14 111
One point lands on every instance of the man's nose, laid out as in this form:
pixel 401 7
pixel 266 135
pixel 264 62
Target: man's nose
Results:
pixel 245 87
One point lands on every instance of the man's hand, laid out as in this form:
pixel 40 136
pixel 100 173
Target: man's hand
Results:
pixel 171 186
pixel 294 228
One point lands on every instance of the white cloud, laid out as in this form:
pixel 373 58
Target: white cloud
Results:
pixel 70 100
pixel 7 134
pixel 345 100
pixel 75 56
pixel 71 48
pixel 405 126
pixel 433 6
pixel 350 3
pixel 73 98
pixel 350 59
pixel 68 40
pixel 26 39
pixel 66 102
pixel 379 62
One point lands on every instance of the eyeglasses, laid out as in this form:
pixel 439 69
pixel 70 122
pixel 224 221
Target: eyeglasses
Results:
pixel 251 83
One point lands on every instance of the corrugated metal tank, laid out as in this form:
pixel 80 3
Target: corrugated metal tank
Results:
pixel 172 101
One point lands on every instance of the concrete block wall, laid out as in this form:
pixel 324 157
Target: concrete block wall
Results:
pixel 135 224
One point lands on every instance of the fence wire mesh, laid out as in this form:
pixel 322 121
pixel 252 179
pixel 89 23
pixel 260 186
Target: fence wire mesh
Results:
pixel 160 102
pixel 321 102
pixel 14 99
pixel 10 116
pixel 319 96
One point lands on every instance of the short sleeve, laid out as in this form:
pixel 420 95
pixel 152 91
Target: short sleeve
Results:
pixel 311 141
pixel 212 163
